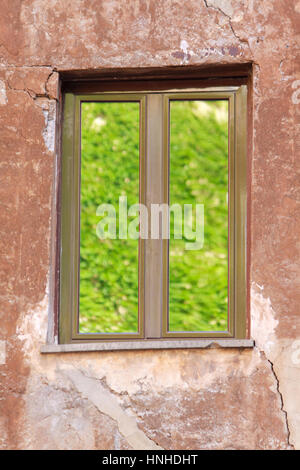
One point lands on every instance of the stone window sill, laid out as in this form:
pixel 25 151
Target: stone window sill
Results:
pixel 200 343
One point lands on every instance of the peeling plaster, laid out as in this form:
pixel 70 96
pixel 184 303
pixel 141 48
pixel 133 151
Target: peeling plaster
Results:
pixel 2 352
pixel 224 6
pixel 31 329
pixel 92 389
pixel 49 131
pixel 187 53
pixel 263 330
pixel 109 379
pixel 263 321
pixel 3 97
pixel 296 352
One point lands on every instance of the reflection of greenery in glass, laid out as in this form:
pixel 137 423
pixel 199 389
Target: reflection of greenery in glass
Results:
pixel 199 174
pixel 109 168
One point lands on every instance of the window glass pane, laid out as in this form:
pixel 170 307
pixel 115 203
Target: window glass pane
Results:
pixel 108 301
pixel 198 275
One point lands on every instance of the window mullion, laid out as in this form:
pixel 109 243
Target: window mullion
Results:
pixel 154 195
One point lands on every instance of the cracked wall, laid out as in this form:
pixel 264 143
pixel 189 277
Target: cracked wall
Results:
pixel 206 399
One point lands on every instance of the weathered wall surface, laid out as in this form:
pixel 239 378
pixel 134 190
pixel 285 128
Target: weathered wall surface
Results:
pixel 206 399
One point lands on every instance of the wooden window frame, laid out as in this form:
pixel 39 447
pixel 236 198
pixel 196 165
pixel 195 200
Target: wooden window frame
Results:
pixel 154 188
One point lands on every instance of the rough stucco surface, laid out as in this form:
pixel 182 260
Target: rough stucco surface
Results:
pixel 206 399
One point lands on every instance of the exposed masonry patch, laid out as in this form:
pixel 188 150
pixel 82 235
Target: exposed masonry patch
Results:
pixel 3 97
pixel 94 391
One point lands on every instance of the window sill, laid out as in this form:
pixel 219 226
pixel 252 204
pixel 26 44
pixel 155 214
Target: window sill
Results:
pixel 201 343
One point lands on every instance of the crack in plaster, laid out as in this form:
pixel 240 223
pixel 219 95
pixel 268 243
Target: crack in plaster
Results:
pixel 264 325
pixel 107 404
pixel 28 91
pixel 37 66
pixel 282 408
pixel 125 394
pixel 47 93
pixel 31 93
pixel 49 112
pixel 219 10
pixel 281 400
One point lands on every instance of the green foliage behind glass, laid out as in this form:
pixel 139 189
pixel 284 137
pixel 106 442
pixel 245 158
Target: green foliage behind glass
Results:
pixel 199 174
pixel 109 169
pixel 110 166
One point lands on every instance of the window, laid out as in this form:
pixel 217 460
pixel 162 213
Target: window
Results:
pixel 153 214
